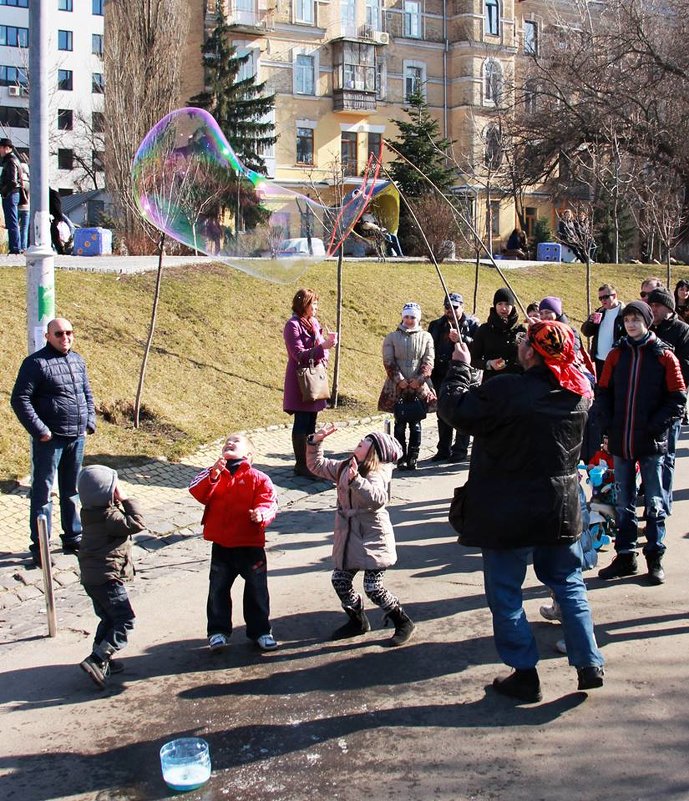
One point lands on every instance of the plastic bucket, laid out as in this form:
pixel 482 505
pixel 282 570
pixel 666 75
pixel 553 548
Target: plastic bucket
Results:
pixel 186 763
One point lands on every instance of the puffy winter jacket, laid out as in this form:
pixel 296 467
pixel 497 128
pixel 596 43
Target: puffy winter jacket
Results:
pixel 497 339
pixel 52 394
pixel 523 486
pixel 640 392
pixel 439 329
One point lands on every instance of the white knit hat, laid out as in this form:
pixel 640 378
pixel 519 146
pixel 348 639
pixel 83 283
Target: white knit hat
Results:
pixel 411 310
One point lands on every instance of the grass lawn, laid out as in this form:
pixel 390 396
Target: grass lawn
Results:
pixel 218 356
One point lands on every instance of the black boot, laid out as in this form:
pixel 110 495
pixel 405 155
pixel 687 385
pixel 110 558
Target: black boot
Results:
pixel 656 574
pixel 357 624
pixel 299 447
pixel 412 458
pixel 404 627
pixel 524 685
pixel 624 564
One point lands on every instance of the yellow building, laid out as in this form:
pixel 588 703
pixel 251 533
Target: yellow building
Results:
pixel 341 70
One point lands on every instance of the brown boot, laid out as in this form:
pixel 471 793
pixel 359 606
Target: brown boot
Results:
pixel 299 447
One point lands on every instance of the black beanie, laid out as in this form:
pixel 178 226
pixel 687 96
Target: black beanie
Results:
pixel 662 295
pixel 641 308
pixel 503 295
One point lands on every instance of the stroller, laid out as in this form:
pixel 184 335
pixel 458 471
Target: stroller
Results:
pixel 602 527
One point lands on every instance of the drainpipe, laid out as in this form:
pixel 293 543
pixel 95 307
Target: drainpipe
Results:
pixel 445 51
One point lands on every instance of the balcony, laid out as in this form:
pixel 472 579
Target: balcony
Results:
pixel 257 23
pixel 354 100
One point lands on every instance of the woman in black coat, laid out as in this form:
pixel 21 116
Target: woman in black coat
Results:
pixel 494 349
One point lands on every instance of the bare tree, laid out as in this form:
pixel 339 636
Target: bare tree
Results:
pixel 143 62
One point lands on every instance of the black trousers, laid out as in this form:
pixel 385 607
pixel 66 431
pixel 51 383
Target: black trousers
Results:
pixel 445 434
pixel 226 565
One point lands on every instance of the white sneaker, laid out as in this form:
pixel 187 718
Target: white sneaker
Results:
pixel 266 642
pixel 216 642
pixel 552 613
pixel 561 647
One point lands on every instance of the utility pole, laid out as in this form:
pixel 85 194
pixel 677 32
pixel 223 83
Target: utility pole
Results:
pixel 40 262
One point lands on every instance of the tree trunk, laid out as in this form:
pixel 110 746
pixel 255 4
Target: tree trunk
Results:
pixel 668 264
pixel 588 285
pixel 476 269
pixel 151 331
pixel 336 366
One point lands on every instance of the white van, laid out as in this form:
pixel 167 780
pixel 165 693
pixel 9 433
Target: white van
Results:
pixel 300 247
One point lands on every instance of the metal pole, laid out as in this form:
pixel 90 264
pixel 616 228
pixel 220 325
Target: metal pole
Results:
pixel 44 545
pixel 40 263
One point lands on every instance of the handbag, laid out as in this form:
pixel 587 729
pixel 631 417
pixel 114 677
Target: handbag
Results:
pixel 410 409
pixel 313 382
pixel 456 514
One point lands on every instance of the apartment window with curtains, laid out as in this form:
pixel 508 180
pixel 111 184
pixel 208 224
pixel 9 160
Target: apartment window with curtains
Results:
pixel 412 19
pixel 348 152
pixel 304 145
pixel 304 11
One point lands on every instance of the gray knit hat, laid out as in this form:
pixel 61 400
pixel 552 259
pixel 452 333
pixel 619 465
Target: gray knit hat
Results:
pixel 387 447
pixel 661 295
pixel 96 485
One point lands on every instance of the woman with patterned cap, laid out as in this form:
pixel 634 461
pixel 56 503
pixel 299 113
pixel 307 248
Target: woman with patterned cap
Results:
pixel 494 349
pixel 408 357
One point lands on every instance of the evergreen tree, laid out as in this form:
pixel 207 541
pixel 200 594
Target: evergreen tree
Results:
pixel 421 144
pixel 239 107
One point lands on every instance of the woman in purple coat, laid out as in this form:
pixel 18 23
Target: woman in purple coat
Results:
pixel 304 341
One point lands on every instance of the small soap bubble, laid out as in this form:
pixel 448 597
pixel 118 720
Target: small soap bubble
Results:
pixel 190 184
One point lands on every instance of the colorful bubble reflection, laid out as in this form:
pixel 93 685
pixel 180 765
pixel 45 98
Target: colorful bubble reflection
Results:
pixel 189 183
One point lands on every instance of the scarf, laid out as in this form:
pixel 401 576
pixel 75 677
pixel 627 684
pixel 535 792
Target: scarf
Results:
pixel 555 343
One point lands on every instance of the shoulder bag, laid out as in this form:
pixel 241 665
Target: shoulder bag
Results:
pixel 313 382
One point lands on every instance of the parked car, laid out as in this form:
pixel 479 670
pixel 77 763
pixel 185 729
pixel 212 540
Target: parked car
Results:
pixel 300 247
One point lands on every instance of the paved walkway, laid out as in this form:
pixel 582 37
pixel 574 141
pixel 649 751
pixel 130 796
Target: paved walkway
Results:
pixel 170 511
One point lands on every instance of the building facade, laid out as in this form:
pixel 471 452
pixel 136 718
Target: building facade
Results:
pixel 75 72
pixel 342 71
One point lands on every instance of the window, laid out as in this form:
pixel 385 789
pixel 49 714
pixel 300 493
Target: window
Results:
pixel 373 15
pixel 494 214
pixel 348 17
pixel 97 7
pixel 98 161
pixel 64 40
pixel 97 44
pixel 492 156
pixel 304 145
pixel 98 122
pixel 304 11
pixel 492 23
pixel 381 78
pixel 354 67
pixel 13 76
pixel 530 37
pixel 247 68
pixel 530 96
pixel 414 78
pixel 374 143
pixel 15 3
pixel 65 5
pixel 97 83
pixel 244 12
pixel 65 119
pixel 530 217
pixel 64 80
pixel 11 36
pixel 412 19
pixel 492 83
pixel 348 154
pixel 14 117
pixel 305 82
pixel 65 159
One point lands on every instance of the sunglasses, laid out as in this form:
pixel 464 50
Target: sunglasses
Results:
pixel 644 294
pixel 605 297
pixel 63 333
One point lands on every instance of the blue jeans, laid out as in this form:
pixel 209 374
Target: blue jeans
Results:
pixel 64 456
pixel 9 209
pixel 111 604
pixel 226 565
pixel 625 507
pixel 669 465
pixel 23 229
pixel 559 568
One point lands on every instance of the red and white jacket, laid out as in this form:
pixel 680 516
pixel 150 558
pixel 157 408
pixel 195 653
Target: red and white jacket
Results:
pixel 228 501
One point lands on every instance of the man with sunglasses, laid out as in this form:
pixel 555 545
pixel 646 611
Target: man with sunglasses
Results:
pixel 53 401
pixel 604 326
pixel 648 285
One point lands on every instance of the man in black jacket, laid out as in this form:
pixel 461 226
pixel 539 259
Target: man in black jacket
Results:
pixel 10 180
pixel 521 500
pixel 53 401
pixel 668 327
pixel 444 333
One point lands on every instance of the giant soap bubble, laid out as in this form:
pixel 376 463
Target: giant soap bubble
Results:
pixel 189 183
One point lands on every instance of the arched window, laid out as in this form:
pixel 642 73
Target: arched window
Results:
pixel 492 155
pixel 492 81
pixel 492 14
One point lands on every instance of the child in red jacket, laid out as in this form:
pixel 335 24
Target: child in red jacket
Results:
pixel 240 502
